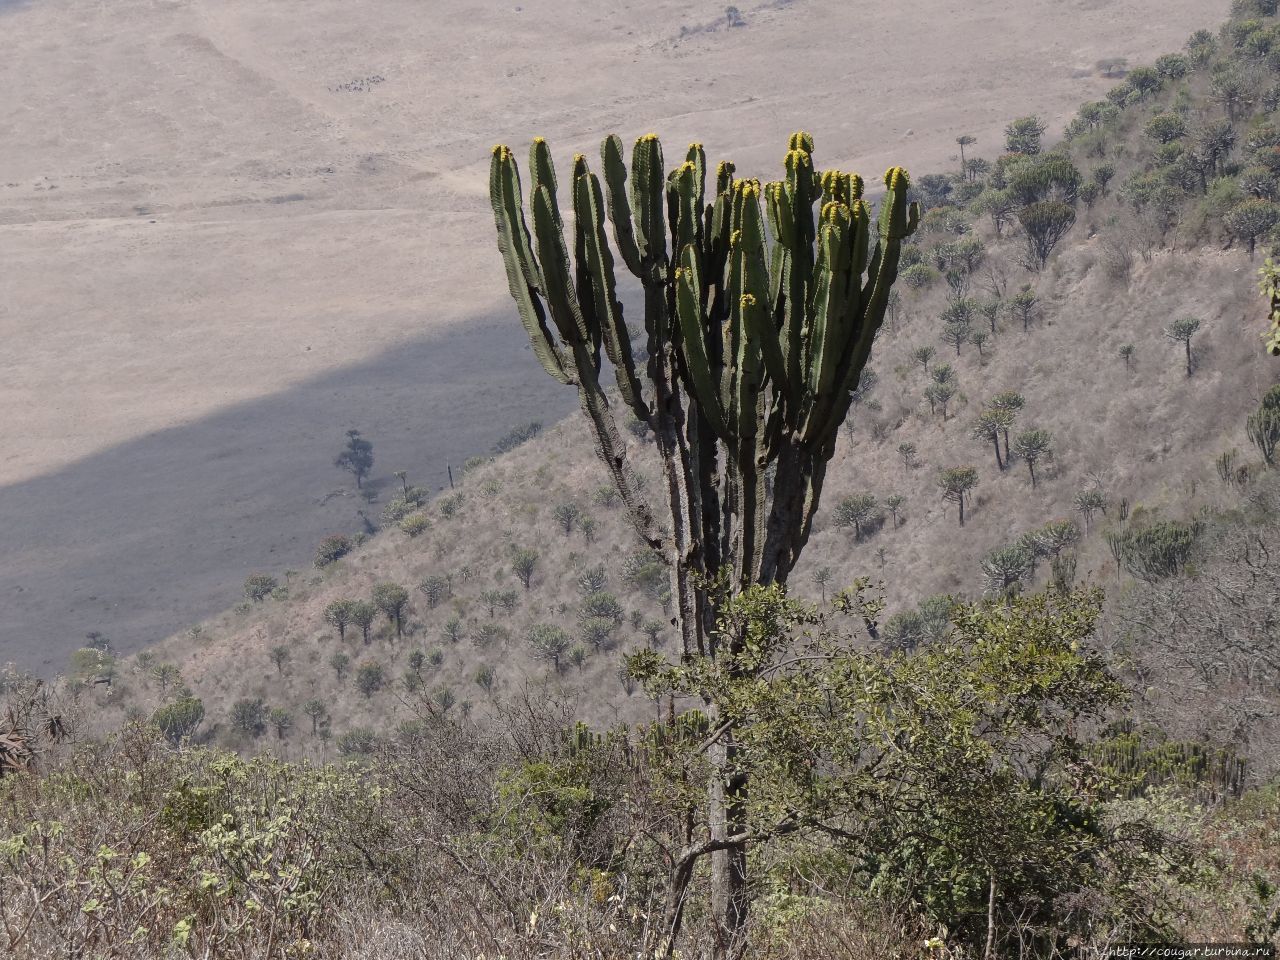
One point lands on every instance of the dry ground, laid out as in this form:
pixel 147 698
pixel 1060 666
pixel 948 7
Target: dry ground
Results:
pixel 231 230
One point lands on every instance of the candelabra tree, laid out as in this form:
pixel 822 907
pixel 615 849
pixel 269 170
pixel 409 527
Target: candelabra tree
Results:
pixel 760 306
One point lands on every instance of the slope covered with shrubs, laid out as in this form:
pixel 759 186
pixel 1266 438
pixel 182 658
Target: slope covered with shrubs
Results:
pixel 1069 392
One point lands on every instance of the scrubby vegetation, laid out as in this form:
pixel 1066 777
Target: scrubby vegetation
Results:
pixel 501 723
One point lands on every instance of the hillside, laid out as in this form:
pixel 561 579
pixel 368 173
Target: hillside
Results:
pixel 1019 698
pixel 1140 430
pixel 253 227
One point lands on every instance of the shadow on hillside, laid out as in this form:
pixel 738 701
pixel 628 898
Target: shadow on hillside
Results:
pixel 143 539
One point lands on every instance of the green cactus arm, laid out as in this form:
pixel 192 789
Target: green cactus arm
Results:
pixel 756 284
pixel 513 242
pixel 689 315
pixel 542 172
pixel 554 257
pixel 585 284
pixel 798 189
pixel 749 380
pixel 828 329
pixel 648 196
pixel 588 212
pixel 615 178
pixel 684 211
pixel 698 157
pixel 898 220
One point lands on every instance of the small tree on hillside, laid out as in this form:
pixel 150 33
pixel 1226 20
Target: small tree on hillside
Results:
pixel 1004 571
pixel 167 677
pixel 1033 446
pixel 907 451
pixel 1089 502
pixel 258 586
pixel 1007 404
pixel 249 716
pixel 1251 219
pixel 965 140
pixel 894 504
pixel 317 712
pixel 957 334
pixel 955 483
pixel 1181 331
pixel 357 458
pixel 593 580
pixel 1024 135
pixel 370 677
pixel 279 655
pixel 523 563
pixel 940 395
pixel 1045 224
pixel 922 356
pixel 822 577
pixel 857 511
pixel 340 663
pixel 392 599
pixel 1263 427
pixel 282 720
pixel 987 429
pixel 178 721
pixel 436 589
pixel 1145 81
pixel 549 643
pixel 1166 128
pixel 338 614
pixel 362 615
pixel 1126 354
pixel 567 514
pixel 331 549
pixel 1023 306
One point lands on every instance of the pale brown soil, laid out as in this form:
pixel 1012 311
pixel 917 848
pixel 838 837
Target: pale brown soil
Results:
pixel 218 253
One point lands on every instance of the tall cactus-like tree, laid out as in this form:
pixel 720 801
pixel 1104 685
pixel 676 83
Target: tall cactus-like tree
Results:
pixel 760 305
pixel 756 335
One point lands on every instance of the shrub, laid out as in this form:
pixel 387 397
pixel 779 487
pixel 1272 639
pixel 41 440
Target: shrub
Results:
pixel 857 511
pixel 549 643
pixel 415 525
pixel 396 510
pixel 392 599
pixel 603 606
pixel 178 721
pixel 517 436
pixel 436 589
pixel 450 505
pixel 249 716
pixel 919 275
pixel 1155 551
pixel 523 564
pixel 1024 135
pixel 357 742
pixel 340 663
pixel 370 677
pixel 1263 427
pixel 332 548
pixel 258 586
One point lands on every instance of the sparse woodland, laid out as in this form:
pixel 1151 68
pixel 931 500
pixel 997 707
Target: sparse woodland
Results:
pixel 1011 690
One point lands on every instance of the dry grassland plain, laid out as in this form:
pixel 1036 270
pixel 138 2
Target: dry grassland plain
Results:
pixel 232 230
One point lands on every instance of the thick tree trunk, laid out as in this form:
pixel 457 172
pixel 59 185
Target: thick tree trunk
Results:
pixel 728 797
pixel 989 950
